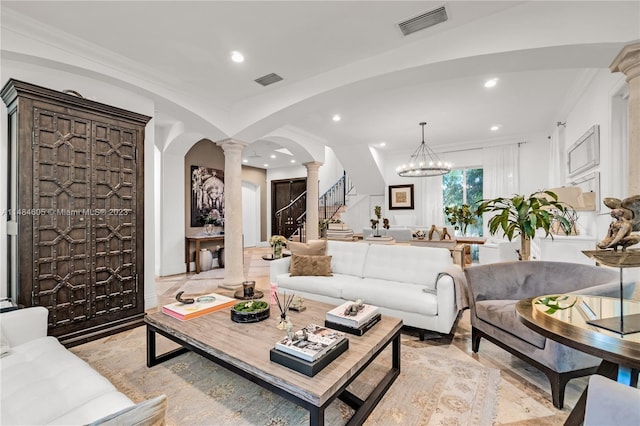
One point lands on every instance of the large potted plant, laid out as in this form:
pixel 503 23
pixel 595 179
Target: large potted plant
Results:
pixel 521 216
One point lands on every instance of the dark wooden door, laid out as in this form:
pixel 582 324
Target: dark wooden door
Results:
pixel 283 193
pixel 62 248
pixel 84 229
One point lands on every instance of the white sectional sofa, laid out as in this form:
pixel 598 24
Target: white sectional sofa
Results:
pixel 44 383
pixel 412 283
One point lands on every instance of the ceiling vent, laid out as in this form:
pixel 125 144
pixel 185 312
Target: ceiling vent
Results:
pixel 423 21
pixel 268 79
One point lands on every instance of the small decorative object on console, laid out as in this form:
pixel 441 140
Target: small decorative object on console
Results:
pixel 627 220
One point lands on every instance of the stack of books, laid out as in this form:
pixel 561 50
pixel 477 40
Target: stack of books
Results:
pixel 310 349
pixel 357 324
pixel 339 234
pixel 203 305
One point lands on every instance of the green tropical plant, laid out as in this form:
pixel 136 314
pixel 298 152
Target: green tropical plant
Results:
pixel 461 217
pixel 522 216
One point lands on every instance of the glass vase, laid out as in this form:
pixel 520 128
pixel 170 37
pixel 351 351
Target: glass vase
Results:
pixel 277 251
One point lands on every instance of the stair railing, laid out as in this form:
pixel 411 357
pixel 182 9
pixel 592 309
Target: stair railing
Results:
pixel 335 198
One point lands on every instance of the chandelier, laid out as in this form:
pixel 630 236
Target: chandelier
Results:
pixel 424 162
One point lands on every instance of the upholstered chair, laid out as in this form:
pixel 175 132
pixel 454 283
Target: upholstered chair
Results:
pixel 493 292
pixel 611 403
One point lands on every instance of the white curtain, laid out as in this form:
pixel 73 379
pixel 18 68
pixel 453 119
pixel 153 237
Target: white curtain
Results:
pixel 501 166
pixel 557 162
pixel 431 191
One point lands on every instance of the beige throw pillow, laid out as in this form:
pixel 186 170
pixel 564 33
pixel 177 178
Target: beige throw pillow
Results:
pixel 310 248
pixel 319 266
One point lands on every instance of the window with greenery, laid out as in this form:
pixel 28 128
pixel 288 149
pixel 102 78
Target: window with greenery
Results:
pixel 463 186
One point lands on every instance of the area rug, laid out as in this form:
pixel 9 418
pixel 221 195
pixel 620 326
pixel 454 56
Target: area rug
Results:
pixel 438 385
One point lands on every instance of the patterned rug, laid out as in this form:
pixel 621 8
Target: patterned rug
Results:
pixel 438 385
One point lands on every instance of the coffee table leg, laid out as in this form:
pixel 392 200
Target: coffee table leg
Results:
pixel 152 358
pixel 316 416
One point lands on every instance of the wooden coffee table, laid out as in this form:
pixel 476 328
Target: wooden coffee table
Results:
pixel 244 349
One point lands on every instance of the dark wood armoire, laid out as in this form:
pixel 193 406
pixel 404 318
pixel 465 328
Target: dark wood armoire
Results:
pixel 75 210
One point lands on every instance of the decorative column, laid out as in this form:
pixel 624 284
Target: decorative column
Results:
pixel 628 62
pixel 312 199
pixel 233 249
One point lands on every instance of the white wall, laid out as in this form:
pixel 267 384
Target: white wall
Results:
pixel 105 93
pixel 330 171
pixel 595 107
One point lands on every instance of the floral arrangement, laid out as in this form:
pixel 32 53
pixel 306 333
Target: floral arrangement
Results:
pixel 461 217
pixel 277 240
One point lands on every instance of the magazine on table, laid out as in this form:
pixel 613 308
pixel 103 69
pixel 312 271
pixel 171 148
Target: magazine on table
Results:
pixel 311 342
pixel 338 316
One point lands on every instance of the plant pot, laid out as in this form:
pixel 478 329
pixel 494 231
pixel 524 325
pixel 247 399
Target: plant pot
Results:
pixel 525 249
pixel 239 312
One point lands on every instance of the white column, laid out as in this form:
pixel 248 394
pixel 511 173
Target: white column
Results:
pixel 233 249
pixel 312 199
pixel 628 62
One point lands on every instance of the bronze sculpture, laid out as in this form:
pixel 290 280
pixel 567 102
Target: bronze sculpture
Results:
pixel 627 220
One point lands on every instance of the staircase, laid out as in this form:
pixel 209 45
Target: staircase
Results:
pixel 291 219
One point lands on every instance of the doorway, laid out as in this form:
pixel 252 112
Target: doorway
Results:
pixel 251 214
pixel 283 193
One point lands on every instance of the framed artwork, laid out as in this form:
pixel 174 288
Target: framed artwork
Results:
pixel 207 196
pixel 401 197
pixel 585 153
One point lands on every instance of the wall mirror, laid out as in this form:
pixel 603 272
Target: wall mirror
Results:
pixel 585 153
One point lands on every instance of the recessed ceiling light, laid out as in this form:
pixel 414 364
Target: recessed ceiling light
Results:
pixel 382 144
pixel 266 165
pixel 237 56
pixel 293 161
pixel 336 117
pixel 273 156
pixel 495 128
pixel 245 161
pixel 491 83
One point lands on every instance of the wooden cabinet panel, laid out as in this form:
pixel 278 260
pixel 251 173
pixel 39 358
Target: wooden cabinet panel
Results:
pixel 78 211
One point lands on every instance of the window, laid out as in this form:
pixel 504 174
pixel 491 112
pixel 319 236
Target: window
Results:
pixel 463 186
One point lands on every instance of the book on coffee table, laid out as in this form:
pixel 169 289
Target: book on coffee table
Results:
pixel 187 311
pixel 311 342
pixel 358 331
pixel 308 368
pixel 337 315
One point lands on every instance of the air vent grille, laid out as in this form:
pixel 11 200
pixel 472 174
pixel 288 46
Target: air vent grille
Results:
pixel 268 79
pixel 423 21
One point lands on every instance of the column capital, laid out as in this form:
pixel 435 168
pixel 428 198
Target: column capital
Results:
pixel 628 61
pixel 231 145
pixel 313 165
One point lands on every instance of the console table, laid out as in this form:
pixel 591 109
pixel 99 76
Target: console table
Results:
pixel 197 239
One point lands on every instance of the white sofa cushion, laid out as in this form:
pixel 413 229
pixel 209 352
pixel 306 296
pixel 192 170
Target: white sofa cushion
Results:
pixel 405 297
pixel 409 264
pixel 348 258
pixel 325 286
pixel 45 373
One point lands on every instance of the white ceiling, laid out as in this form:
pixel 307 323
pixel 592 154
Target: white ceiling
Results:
pixel 346 57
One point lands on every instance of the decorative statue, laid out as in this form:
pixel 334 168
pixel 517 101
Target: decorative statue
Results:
pixel 627 220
